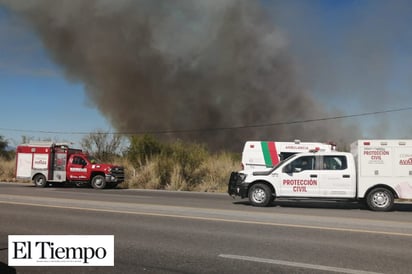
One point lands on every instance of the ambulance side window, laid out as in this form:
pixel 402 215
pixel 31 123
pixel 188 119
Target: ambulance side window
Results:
pixel 285 155
pixel 334 163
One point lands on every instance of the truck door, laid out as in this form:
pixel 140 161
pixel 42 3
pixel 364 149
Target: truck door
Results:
pixel 77 169
pixel 335 178
pixel 299 178
pixel 59 166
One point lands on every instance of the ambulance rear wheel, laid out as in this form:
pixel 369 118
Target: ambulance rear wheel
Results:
pixel 40 180
pixel 98 182
pixel 260 195
pixel 380 199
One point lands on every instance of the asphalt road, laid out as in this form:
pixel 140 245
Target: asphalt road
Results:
pixel 184 232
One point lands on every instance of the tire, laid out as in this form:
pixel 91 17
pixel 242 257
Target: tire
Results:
pixel 380 199
pixel 260 195
pixel 40 180
pixel 98 182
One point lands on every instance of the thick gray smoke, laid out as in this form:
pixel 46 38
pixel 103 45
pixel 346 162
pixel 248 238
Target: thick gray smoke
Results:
pixel 167 65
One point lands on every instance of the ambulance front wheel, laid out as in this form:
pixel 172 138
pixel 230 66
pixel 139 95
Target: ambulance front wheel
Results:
pixel 380 199
pixel 98 182
pixel 40 180
pixel 260 195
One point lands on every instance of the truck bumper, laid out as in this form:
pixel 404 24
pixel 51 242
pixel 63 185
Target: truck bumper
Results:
pixel 113 179
pixel 236 186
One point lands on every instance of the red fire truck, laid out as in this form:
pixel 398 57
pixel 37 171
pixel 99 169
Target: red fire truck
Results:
pixel 47 162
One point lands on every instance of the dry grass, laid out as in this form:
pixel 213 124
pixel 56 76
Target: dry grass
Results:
pixel 216 172
pixel 7 170
pixel 210 175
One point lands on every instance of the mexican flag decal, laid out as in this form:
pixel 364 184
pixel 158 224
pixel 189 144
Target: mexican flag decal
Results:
pixel 269 153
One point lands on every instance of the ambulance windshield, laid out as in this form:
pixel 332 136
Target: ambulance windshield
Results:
pixel 267 172
pixel 284 160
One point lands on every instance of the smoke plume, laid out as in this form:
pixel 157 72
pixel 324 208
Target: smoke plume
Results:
pixel 182 68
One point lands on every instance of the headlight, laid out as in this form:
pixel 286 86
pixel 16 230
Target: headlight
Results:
pixel 242 177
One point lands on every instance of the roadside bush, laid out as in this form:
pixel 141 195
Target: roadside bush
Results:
pixel 164 167
pixel 216 170
pixel 145 177
pixel 150 164
pixel 7 169
pixel 189 158
pixel 142 149
pixel 5 152
pixel 102 145
pixel 181 166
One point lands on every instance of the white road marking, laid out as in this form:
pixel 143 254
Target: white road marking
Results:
pixel 296 264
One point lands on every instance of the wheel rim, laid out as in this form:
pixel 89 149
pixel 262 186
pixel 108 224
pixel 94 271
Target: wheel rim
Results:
pixel 259 195
pixel 98 182
pixel 40 181
pixel 381 199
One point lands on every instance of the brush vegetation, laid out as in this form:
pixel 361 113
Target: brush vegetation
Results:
pixel 151 164
pixel 177 166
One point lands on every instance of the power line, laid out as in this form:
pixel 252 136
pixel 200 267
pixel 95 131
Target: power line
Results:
pixel 275 123
pixel 282 123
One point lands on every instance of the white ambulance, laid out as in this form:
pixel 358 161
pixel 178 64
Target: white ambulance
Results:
pixel 263 155
pixel 376 171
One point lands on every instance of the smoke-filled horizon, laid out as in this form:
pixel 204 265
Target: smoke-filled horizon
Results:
pixel 183 65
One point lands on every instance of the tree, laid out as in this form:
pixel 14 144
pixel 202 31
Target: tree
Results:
pixel 142 148
pixel 102 145
pixel 4 152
